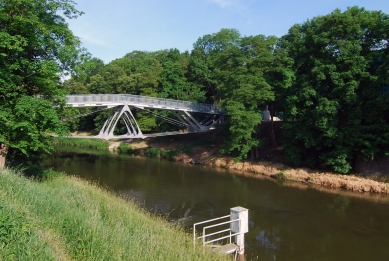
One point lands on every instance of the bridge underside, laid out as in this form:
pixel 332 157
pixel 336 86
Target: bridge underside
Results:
pixel 133 131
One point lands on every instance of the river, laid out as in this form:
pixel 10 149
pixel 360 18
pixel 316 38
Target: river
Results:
pixel 287 220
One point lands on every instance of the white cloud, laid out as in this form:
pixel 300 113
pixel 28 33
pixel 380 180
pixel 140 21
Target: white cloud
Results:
pixel 89 34
pixel 85 38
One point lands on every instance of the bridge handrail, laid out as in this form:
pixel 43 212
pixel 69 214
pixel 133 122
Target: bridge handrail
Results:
pixel 144 100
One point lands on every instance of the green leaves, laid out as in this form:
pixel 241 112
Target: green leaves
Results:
pixel 335 98
pixel 247 75
pixel 35 47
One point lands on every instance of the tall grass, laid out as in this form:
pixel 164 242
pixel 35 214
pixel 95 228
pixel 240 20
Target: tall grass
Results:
pixel 82 142
pixel 65 218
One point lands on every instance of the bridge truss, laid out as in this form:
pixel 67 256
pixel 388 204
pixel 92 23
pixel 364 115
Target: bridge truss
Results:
pixel 124 104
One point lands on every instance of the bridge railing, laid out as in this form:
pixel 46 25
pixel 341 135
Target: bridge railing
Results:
pixel 143 100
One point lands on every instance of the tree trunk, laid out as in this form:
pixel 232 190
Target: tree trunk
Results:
pixel 3 155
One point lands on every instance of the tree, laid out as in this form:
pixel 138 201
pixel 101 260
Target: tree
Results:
pixel 87 68
pixel 337 107
pixel 247 75
pixel 174 84
pixel 36 47
pixel 204 56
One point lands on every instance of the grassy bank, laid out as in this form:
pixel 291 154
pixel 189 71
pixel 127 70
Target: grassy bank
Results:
pixel 64 218
pixel 82 142
pixel 203 149
pixel 306 176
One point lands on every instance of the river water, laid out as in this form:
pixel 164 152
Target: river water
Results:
pixel 287 220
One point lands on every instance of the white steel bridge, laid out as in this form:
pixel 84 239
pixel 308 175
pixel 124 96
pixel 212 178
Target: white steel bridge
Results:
pixel 122 105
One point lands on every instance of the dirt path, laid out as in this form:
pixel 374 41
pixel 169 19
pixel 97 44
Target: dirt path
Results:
pixel 113 145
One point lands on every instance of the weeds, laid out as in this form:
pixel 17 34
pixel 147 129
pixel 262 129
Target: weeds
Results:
pixel 11 227
pixel 83 142
pixel 14 231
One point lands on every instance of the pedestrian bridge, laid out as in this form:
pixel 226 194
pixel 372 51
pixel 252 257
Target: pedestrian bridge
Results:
pixel 206 115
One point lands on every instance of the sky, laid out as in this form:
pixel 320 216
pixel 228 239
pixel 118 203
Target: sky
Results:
pixel 110 29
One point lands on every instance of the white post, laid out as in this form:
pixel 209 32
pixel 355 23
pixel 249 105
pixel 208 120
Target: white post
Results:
pixel 241 226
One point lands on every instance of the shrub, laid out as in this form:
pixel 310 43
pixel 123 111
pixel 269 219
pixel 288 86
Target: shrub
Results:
pixel 155 152
pixel 281 175
pixel 125 149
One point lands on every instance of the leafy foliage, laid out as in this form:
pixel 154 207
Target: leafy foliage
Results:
pixel 338 103
pixel 204 59
pixel 245 87
pixel 36 47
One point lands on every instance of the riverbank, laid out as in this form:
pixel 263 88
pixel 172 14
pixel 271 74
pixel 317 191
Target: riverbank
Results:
pixel 65 218
pixel 203 150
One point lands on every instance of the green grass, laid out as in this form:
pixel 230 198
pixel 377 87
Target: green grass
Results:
pixel 161 153
pixel 82 142
pixel 65 218
pixel 125 149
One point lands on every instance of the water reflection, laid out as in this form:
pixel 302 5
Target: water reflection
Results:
pixel 269 241
pixel 288 220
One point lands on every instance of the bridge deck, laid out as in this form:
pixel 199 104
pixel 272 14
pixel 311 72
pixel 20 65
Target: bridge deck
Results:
pixel 93 100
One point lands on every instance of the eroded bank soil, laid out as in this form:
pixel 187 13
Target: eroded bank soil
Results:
pixel 203 149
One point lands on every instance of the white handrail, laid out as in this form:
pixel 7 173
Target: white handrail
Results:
pixel 204 235
pixel 87 99
pixel 215 233
pixel 207 221
pixel 203 222
pixel 220 238
pixel 223 223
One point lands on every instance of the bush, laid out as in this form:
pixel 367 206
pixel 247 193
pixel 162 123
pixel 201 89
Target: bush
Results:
pixel 281 175
pixel 125 149
pixel 155 152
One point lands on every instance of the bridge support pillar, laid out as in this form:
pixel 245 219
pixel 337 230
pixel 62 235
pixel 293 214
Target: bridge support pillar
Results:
pixel 124 112
pixel 186 118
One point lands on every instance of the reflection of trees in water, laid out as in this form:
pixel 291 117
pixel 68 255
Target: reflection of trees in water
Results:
pixel 339 206
pixel 270 241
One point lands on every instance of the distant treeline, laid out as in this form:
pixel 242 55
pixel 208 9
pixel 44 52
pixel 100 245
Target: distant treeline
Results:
pixel 329 75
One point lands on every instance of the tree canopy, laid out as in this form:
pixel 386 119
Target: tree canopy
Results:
pixel 338 105
pixel 246 85
pixel 36 48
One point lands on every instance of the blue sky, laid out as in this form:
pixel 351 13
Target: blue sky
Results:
pixel 109 29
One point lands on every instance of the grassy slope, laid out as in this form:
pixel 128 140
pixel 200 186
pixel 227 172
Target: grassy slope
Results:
pixel 69 219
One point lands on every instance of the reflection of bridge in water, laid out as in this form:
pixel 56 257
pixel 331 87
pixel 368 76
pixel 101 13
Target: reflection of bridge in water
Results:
pixel 204 118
